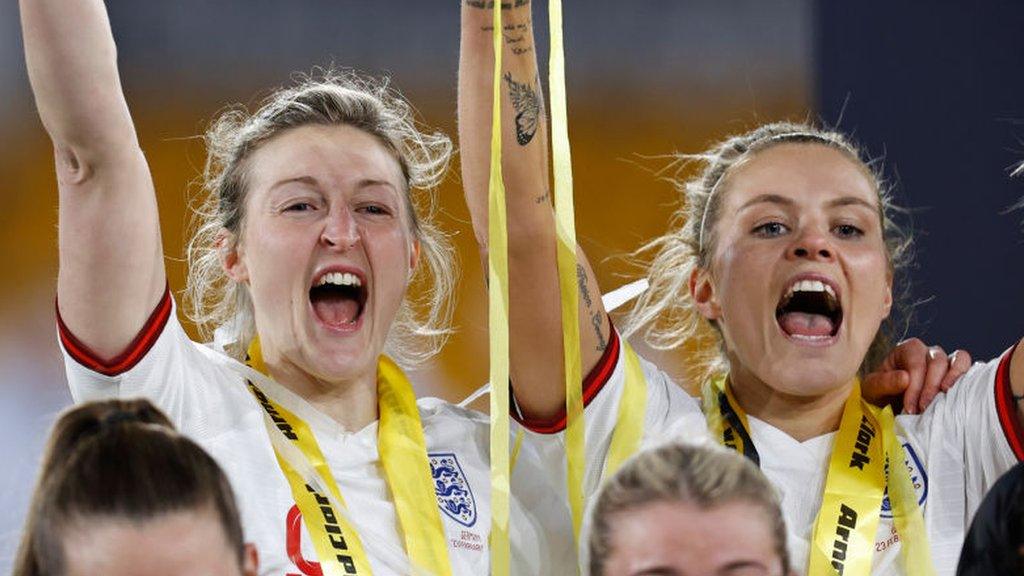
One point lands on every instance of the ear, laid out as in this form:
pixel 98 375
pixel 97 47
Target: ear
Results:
pixel 414 256
pixel 887 303
pixel 229 250
pixel 250 561
pixel 702 290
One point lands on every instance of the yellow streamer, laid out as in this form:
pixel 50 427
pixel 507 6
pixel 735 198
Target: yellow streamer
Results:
pixel 403 452
pixel 629 426
pixel 497 289
pixel 565 227
pixel 847 523
pixel 906 514
pixel 404 455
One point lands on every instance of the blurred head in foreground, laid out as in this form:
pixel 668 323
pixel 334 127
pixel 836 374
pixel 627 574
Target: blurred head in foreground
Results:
pixel 121 492
pixel 995 541
pixel 687 510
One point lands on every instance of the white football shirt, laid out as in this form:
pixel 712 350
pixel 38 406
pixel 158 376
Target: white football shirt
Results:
pixel 955 451
pixel 204 393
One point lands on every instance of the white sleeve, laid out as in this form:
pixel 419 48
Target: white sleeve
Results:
pixel 669 412
pixel 162 365
pixel 978 419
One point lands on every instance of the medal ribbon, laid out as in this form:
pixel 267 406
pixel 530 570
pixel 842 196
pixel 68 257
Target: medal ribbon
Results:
pixel 847 523
pixel 403 453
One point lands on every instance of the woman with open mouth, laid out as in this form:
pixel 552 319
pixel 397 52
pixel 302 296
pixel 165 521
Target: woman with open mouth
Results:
pixel 316 220
pixel 785 255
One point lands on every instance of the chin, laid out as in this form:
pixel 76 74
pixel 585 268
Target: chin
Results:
pixel 810 377
pixel 337 363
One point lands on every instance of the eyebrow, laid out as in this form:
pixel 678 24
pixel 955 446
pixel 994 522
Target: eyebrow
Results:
pixel 784 201
pixel 311 181
pixel 298 179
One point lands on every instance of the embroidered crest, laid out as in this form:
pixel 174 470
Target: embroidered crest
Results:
pixel 454 496
pixel 917 475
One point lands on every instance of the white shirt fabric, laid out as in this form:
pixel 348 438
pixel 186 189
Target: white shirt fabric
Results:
pixel 955 450
pixel 204 393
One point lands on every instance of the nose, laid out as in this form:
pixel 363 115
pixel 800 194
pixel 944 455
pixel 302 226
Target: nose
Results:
pixel 340 229
pixel 812 244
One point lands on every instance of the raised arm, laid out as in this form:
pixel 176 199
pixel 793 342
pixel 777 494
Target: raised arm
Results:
pixel 111 261
pixel 534 313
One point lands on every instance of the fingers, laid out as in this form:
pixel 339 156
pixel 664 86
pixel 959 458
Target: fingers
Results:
pixel 911 356
pixel 881 388
pixel 936 368
pixel 959 363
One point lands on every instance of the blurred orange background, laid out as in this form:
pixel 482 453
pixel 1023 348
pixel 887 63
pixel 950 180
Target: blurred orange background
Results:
pixel 643 81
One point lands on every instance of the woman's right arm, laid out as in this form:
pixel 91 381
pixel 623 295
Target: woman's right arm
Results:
pixel 111 260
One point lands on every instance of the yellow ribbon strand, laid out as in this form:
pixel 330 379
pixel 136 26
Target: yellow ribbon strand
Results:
pixel 565 227
pixel 629 426
pixel 497 290
pixel 403 453
pixel 915 553
pixel 337 544
pixel 847 523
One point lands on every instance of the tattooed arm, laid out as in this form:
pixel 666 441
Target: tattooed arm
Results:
pixel 534 308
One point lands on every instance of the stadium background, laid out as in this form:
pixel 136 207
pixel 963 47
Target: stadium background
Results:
pixel 937 91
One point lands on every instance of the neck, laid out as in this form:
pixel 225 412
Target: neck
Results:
pixel 801 417
pixel 351 403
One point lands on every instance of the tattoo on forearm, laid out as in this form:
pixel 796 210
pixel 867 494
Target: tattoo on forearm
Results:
pixel 597 319
pixel 581 281
pixel 526 105
pixel 490 4
pixel 543 197
pixel 518 36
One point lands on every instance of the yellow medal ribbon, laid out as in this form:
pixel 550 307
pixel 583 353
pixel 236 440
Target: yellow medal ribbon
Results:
pixel 847 523
pixel 403 453
pixel 859 470
pixel 497 298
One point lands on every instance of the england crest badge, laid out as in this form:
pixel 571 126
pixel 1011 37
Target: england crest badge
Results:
pixel 917 475
pixel 454 495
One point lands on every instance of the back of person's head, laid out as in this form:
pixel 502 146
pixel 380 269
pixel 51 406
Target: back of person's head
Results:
pixel 686 481
pixel 995 541
pixel 120 463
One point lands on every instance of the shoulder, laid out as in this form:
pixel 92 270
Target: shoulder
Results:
pixel 436 411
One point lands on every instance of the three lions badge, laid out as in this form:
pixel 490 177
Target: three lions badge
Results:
pixel 454 496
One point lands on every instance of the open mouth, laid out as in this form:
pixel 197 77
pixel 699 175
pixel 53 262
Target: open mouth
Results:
pixel 809 310
pixel 338 299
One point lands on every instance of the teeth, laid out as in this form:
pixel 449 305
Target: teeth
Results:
pixel 340 279
pixel 811 286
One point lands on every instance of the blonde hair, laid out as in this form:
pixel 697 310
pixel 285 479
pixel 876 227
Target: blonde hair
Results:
pixel 329 98
pixel 704 476
pixel 665 314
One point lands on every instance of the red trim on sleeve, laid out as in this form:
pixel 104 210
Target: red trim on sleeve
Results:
pixel 126 360
pixel 1007 408
pixel 592 384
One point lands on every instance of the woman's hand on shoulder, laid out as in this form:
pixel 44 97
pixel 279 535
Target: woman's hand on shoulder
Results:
pixel 913 375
